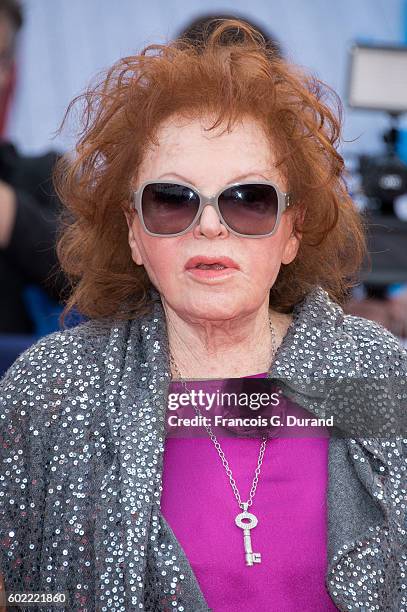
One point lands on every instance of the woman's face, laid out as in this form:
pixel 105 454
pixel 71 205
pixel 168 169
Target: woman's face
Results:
pixel 210 161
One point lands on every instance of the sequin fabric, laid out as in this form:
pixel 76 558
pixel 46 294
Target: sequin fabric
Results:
pixel 82 419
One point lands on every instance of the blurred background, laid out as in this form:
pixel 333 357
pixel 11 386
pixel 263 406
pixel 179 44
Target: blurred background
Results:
pixel 51 49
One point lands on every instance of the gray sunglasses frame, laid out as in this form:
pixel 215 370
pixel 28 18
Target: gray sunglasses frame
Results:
pixel 283 200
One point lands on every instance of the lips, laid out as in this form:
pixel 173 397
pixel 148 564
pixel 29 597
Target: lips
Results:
pixel 200 262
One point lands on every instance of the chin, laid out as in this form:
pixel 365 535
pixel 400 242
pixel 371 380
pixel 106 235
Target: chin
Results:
pixel 215 307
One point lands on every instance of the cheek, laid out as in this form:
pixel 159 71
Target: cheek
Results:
pixel 157 255
pixel 266 256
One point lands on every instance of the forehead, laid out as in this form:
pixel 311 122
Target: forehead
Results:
pixel 208 158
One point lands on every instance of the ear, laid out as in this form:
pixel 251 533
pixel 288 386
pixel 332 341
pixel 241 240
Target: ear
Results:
pixel 128 218
pixel 132 238
pixel 290 249
pixel 293 241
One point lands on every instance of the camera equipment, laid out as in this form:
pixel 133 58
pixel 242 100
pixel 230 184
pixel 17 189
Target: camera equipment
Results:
pixel 377 81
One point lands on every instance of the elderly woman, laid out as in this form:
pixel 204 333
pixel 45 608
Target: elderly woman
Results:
pixel 210 236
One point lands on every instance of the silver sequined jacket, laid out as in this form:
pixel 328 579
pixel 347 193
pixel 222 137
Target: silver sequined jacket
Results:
pixel 81 449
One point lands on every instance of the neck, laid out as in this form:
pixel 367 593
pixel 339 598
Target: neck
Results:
pixel 232 348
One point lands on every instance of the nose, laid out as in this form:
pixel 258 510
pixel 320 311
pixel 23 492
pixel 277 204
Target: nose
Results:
pixel 210 225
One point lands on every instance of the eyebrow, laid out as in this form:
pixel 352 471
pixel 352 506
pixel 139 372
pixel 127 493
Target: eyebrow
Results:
pixel 253 175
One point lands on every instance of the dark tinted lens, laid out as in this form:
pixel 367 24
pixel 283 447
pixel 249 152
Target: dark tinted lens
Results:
pixel 250 209
pixel 168 208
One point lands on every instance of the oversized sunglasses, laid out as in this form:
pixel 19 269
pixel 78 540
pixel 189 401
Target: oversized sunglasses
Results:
pixel 251 209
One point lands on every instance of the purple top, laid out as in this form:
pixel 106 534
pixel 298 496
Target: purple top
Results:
pixel 290 504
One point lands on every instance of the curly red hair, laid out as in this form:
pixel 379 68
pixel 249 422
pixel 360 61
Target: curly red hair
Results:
pixel 121 115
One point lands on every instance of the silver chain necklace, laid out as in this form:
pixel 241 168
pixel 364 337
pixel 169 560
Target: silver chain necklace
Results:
pixel 245 520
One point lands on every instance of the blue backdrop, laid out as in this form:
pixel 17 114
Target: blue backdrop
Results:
pixel 65 43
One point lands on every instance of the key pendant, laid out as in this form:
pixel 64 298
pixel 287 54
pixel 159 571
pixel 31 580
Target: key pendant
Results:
pixel 246 521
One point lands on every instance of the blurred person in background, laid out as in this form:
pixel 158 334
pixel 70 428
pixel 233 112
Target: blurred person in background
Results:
pixel 11 20
pixel 29 207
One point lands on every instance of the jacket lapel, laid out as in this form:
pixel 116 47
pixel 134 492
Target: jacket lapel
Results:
pixel 357 466
pixel 154 570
